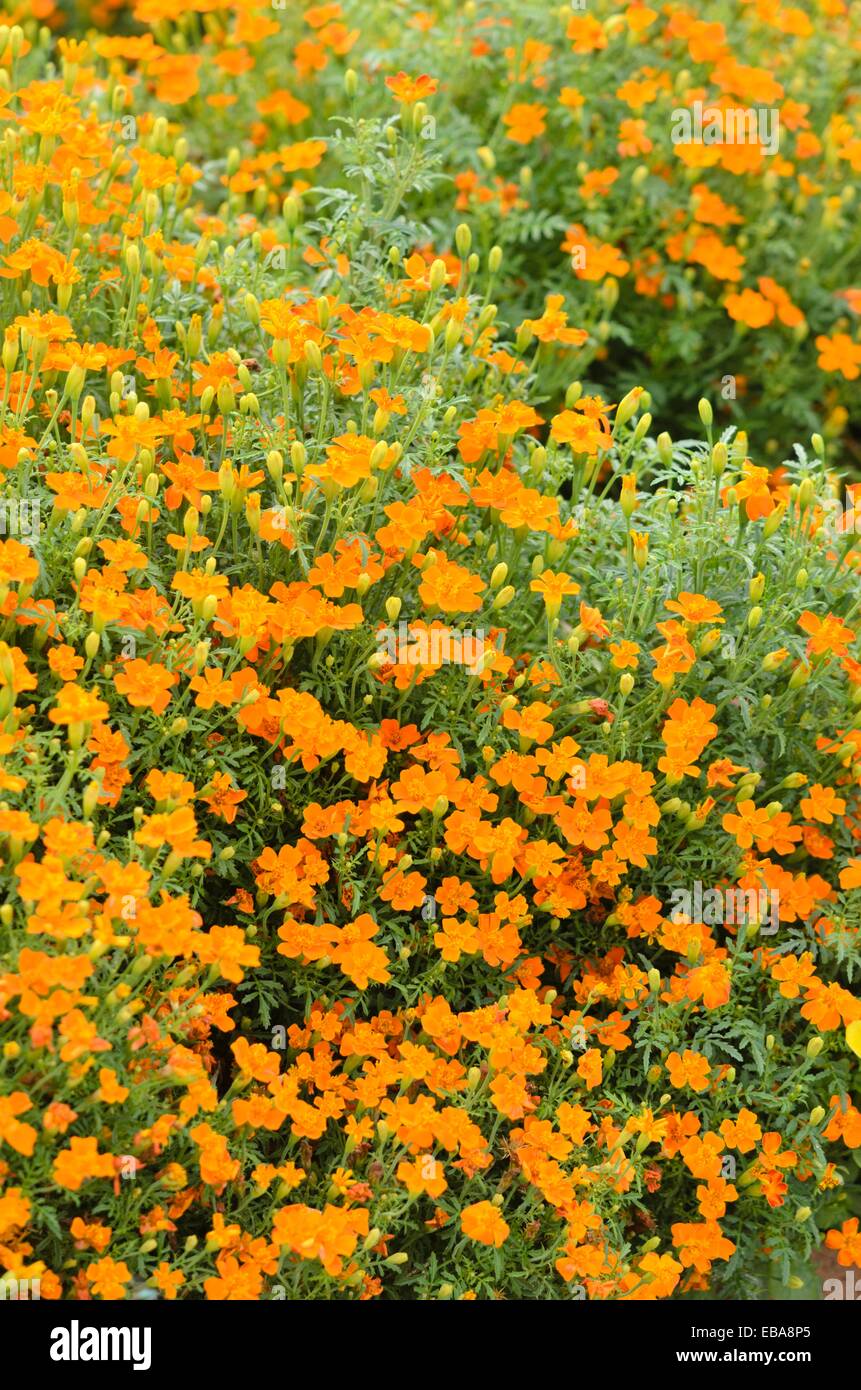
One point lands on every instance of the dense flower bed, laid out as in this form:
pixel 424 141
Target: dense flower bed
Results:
pixel 686 178
pixel 430 791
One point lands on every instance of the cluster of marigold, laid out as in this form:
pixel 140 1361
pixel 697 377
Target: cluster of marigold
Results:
pixel 705 207
pixel 634 69
pixel 116 988
pixel 601 819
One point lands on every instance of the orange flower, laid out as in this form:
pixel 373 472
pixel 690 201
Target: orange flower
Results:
pixel 525 122
pixel 16 1133
pixel 330 1235
pixel 110 1091
pixel 423 1175
pixel 552 327
pixel 755 824
pixel 225 948
pixel 828 634
pixel 81 1162
pixel 624 654
pixel 358 958
pixel 108 1277
pixel 146 684
pixel 847 1243
pixel 749 308
pixel 482 1221
pixel 839 353
pixel 822 804
pixel 743 1133
pixel 689 1069
pixel 78 708
pixel 175 828
pixel 695 608
pixel 553 588
pixel 752 489
pixel 411 89
pixel 222 798
pixel 168 1281
pixel 449 586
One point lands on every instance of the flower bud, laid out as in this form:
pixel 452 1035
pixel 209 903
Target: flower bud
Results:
pixel 313 356
pixel 719 458
pixel 708 641
pixel 799 677
pixel 628 405
pixel 806 493
pixel 437 275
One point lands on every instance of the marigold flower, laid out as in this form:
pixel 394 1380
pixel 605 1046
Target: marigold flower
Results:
pixel 482 1221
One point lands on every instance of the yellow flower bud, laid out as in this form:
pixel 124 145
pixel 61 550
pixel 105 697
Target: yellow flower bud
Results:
pixel 437 275
pixel 709 641
pixel 799 677
pixel 313 356
pixel 806 493
pixel 628 406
